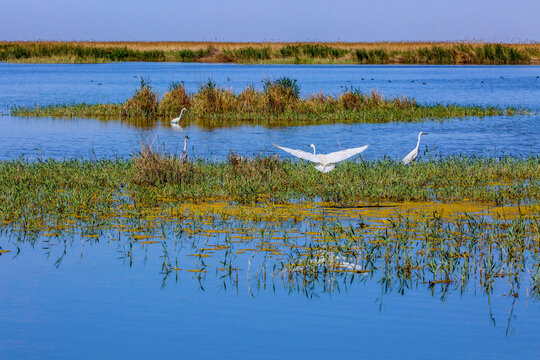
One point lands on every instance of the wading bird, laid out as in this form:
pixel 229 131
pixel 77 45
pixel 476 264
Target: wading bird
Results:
pixel 176 120
pixel 325 162
pixel 184 157
pixel 414 153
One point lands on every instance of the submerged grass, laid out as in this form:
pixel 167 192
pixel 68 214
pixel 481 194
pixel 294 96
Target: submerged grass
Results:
pixel 298 53
pixel 277 104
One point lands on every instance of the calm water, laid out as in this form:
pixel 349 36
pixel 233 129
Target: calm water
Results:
pixel 95 305
pixel 89 138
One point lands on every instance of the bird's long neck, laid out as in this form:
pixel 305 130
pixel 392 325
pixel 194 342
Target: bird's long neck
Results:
pixel 314 152
pixel 418 143
pixel 185 144
pixel 181 112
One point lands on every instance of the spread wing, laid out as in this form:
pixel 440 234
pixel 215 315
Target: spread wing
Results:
pixel 344 154
pixel 300 154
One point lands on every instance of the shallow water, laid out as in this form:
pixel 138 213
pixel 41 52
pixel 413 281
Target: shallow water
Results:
pixel 97 304
pixel 44 138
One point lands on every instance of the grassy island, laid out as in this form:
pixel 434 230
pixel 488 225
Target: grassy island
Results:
pixel 277 104
pixel 272 53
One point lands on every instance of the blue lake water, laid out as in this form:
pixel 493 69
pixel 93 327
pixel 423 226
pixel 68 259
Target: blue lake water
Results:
pixel 95 305
pixel 89 138
pixel 43 84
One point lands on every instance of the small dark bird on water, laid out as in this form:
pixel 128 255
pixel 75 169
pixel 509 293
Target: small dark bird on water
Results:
pixel 363 78
pixel 412 80
pixel 99 83
pixel 423 83
pixel 502 77
pixel 372 79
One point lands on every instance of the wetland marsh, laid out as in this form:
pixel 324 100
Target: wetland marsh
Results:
pixel 105 230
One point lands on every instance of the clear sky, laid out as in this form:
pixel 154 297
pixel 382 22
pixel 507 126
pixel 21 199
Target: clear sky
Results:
pixel 271 20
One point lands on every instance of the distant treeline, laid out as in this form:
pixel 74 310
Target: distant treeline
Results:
pixel 278 103
pixel 297 53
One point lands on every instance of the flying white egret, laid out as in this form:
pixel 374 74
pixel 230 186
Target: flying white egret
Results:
pixel 184 156
pixel 325 162
pixel 414 153
pixel 177 119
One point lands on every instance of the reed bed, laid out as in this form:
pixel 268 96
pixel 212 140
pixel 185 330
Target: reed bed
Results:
pixel 278 103
pixel 291 53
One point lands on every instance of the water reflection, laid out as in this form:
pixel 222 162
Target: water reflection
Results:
pixel 90 138
pixel 326 253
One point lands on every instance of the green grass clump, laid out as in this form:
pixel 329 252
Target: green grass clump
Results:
pixel 174 100
pixel 152 167
pixel 372 56
pixel 277 104
pixel 144 102
pixel 248 54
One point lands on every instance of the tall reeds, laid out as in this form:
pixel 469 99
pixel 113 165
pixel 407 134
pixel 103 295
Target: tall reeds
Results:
pixel 297 53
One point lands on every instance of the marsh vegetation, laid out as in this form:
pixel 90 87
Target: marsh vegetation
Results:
pixel 446 224
pixel 278 103
pixel 272 53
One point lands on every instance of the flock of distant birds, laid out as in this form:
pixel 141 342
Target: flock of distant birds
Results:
pixel 324 162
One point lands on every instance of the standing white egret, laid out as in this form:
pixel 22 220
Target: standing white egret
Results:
pixel 414 153
pixel 177 119
pixel 184 156
pixel 325 162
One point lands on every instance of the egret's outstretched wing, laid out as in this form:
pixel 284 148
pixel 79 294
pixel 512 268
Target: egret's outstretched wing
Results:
pixel 344 154
pixel 300 154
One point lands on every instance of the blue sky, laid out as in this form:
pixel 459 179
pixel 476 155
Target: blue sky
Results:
pixel 272 20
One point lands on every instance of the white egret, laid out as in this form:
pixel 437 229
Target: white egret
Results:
pixel 325 162
pixel 177 119
pixel 414 153
pixel 184 156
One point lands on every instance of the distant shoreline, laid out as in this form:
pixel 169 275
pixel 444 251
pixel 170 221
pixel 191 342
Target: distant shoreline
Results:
pixel 436 53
